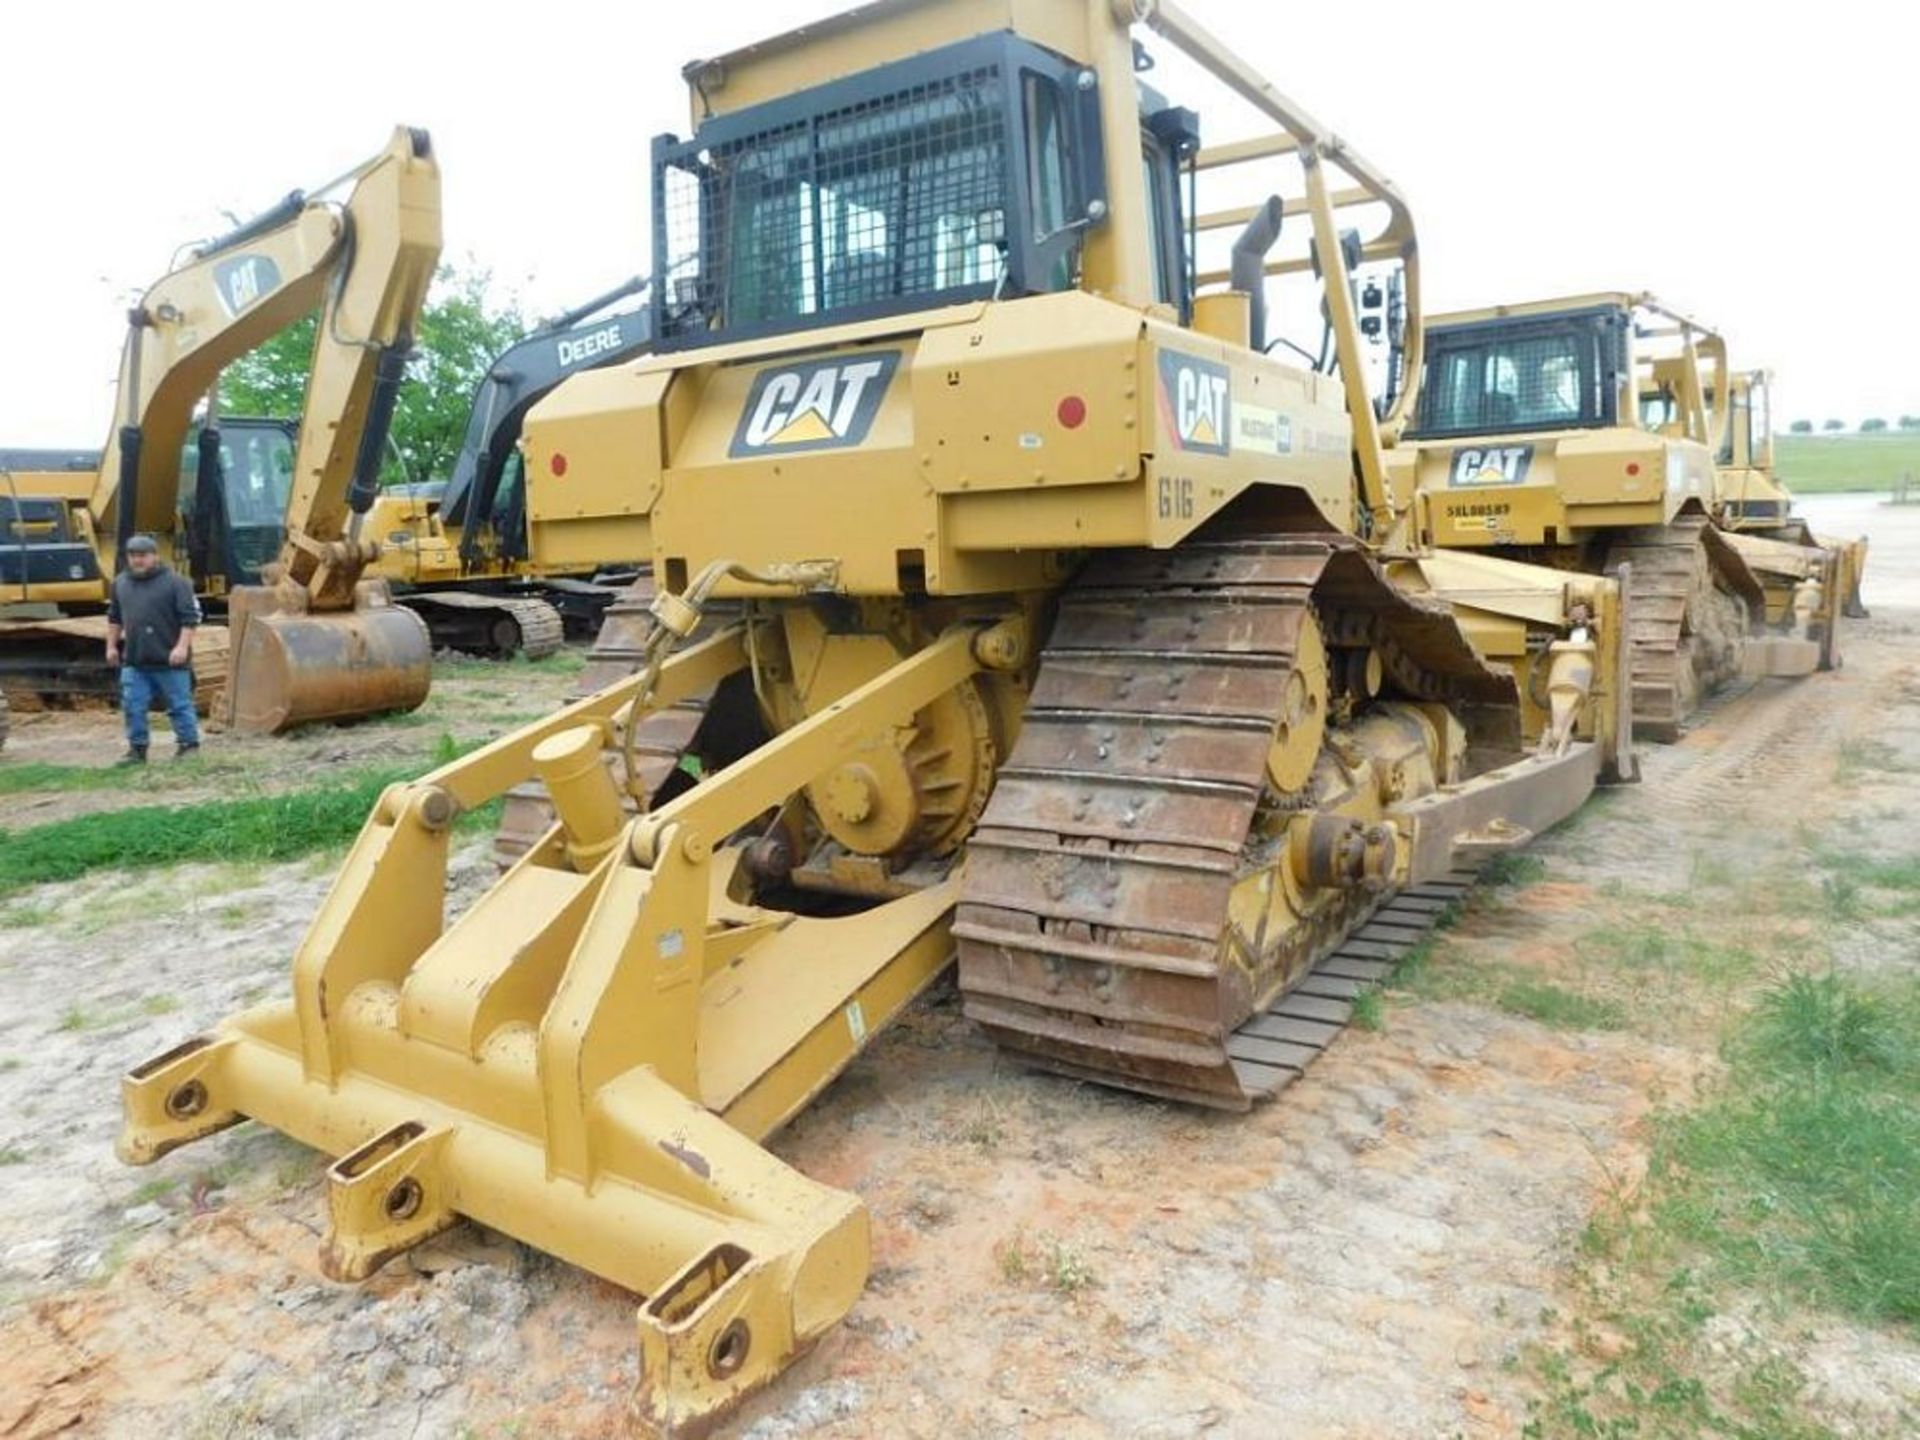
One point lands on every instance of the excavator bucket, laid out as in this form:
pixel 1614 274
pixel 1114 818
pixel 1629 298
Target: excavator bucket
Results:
pixel 290 666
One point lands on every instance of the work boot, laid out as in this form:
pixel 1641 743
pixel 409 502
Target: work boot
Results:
pixel 136 755
pixel 186 752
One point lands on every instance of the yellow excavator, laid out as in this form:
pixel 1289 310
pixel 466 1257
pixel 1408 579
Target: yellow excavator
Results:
pixel 317 640
pixel 1751 500
pixel 1033 616
pixel 1581 433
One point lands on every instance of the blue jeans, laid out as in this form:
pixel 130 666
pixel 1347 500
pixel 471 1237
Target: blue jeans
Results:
pixel 138 686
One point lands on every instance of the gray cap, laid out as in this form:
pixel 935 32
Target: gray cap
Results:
pixel 142 545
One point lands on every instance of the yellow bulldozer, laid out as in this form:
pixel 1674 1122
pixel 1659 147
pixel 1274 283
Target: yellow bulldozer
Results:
pixel 1751 500
pixel 312 638
pixel 1031 616
pixel 1582 433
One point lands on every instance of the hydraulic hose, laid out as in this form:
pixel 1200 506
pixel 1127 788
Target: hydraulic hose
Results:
pixel 675 617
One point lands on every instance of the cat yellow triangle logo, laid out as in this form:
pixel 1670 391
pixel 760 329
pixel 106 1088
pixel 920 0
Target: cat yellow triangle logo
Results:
pixel 814 404
pixel 804 428
pixel 1196 397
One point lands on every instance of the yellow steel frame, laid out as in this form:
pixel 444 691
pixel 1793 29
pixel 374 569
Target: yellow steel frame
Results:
pixel 586 1058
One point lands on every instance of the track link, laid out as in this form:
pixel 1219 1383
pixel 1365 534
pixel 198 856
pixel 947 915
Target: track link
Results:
pixel 498 626
pixel 1684 632
pixel 1097 926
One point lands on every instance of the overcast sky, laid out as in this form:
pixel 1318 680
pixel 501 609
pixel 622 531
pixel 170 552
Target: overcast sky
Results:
pixel 1754 164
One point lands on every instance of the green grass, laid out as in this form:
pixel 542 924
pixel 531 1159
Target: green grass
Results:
pixel 1850 876
pixel 37 777
pixel 1804 1171
pixel 254 828
pixel 1797 1179
pixel 1820 464
pixel 1562 1009
pixel 1513 868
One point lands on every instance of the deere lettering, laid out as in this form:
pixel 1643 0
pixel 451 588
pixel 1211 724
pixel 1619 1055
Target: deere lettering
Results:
pixel 578 349
pixel 1196 402
pixel 820 405
pixel 1490 465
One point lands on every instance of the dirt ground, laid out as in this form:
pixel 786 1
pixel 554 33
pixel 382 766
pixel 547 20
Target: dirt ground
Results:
pixel 1368 1256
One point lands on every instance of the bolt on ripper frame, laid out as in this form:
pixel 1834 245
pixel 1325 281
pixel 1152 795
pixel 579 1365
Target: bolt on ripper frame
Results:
pixel 1019 608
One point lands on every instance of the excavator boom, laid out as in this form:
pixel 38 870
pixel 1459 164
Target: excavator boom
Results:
pixel 318 641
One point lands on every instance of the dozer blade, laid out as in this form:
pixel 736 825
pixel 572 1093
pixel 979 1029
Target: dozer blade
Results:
pixel 588 1056
pixel 290 667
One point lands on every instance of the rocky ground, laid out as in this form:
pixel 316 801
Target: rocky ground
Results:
pixel 1388 1250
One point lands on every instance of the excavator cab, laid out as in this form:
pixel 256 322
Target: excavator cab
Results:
pixel 236 479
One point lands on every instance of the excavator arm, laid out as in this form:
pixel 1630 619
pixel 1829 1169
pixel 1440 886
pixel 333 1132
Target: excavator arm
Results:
pixel 390 244
pixel 316 640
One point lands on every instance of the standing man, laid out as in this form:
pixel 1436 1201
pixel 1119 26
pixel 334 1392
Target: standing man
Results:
pixel 151 618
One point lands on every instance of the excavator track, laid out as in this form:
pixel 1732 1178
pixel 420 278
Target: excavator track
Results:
pixel 65 665
pixel 1685 632
pixel 212 661
pixel 1096 928
pixel 664 737
pixel 498 626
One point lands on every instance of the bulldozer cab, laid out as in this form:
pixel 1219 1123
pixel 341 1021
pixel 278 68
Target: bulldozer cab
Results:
pixel 965 173
pixel 1504 376
pixel 995 151
pixel 1539 422
pixel 1748 442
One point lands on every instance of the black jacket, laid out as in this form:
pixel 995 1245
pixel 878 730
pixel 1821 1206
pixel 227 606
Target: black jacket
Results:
pixel 151 609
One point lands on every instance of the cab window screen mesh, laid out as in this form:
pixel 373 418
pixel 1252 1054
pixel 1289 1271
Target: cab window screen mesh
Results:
pixel 1539 381
pixel 901 196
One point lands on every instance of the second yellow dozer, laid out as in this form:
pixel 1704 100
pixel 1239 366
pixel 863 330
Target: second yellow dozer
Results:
pixel 1753 504
pixel 1582 433
pixel 1068 626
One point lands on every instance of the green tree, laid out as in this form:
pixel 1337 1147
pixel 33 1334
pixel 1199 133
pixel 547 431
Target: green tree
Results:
pixel 1801 427
pixel 1833 424
pixel 1873 425
pixel 459 334
pixel 1910 422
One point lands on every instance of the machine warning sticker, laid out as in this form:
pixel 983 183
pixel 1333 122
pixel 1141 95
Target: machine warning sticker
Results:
pixel 1195 403
pixel 1267 432
pixel 243 280
pixel 814 405
pixel 1492 465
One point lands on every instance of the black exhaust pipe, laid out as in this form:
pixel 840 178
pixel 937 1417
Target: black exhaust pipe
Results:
pixel 1248 271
